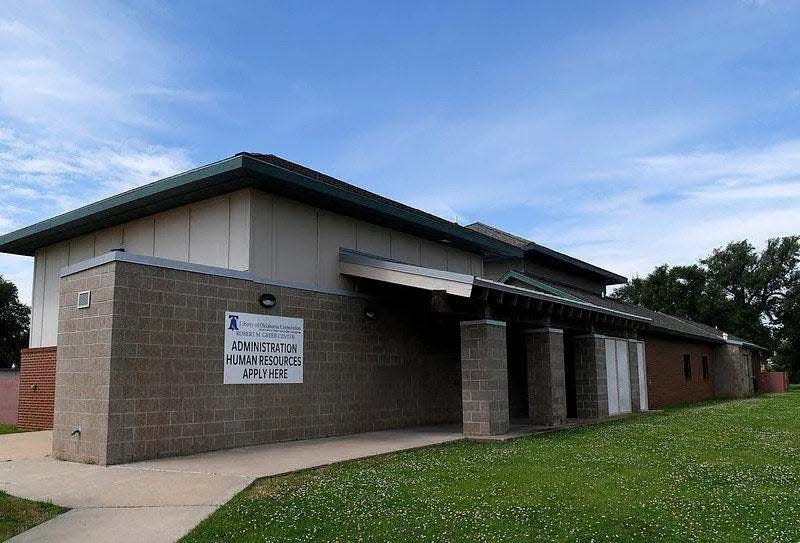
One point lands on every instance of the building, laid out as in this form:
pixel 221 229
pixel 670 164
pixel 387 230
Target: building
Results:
pixel 254 300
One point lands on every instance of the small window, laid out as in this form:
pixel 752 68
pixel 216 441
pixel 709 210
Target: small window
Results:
pixel 704 358
pixel 687 367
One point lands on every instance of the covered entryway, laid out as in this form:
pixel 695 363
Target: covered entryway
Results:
pixel 514 347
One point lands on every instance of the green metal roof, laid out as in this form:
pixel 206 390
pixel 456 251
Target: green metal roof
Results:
pixel 535 283
pixel 250 170
pixel 549 255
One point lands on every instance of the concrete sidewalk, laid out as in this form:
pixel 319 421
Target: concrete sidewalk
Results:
pixel 161 500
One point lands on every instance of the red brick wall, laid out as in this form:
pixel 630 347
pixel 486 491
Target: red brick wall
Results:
pixel 37 388
pixel 665 381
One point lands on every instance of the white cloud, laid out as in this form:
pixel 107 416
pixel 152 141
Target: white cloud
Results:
pixel 743 193
pixel 611 200
pixel 77 90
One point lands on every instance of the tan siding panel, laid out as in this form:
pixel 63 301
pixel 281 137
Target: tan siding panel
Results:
pixel 458 262
pixel 208 229
pixel 373 240
pixel 107 240
pixel 172 235
pixel 433 255
pixel 335 231
pixel 295 243
pixel 239 230
pixel 37 299
pixel 261 211
pixel 81 249
pixel 405 248
pixel 138 237
pixel 57 258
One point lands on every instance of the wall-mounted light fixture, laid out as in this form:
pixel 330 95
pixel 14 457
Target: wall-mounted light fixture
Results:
pixel 267 300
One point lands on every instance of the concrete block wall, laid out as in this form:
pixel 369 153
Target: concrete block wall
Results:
pixel 484 378
pixel 159 367
pixel 547 392
pixel 37 384
pixel 591 381
pixel 83 368
pixel 731 377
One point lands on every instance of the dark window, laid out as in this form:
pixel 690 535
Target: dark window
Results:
pixel 687 367
pixel 704 358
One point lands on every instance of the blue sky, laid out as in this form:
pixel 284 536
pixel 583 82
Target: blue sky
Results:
pixel 625 133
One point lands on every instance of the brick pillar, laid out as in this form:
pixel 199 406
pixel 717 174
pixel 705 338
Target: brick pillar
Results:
pixel 547 393
pixel 484 378
pixel 591 382
pixel 633 369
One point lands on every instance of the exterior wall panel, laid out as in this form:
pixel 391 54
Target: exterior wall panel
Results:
pixel 334 231
pixel 218 231
pixel 209 224
pixel 239 231
pixel 171 239
pixel 373 240
pixel 107 240
pixel 295 240
pixel 299 244
pixel 433 255
pixel 261 235
pixel 139 237
pixel 149 382
pixel 666 384
pixel 37 298
pixel 405 248
pixel 57 257
pixel 274 238
pixel 81 249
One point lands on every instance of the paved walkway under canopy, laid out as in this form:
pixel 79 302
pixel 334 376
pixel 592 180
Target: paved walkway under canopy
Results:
pixel 161 500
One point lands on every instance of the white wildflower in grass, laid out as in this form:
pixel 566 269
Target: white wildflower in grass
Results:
pixel 721 471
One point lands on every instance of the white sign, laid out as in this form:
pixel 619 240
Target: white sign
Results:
pixel 262 349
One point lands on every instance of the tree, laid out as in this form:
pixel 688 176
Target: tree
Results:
pixel 737 289
pixel 787 357
pixel 15 320
pixel 677 291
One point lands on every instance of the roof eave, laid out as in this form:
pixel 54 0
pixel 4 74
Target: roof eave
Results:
pixel 608 277
pixel 399 215
pixel 247 171
pixel 151 198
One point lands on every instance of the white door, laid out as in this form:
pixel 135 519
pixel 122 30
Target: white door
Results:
pixel 623 376
pixel 618 375
pixel 611 375
pixel 642 376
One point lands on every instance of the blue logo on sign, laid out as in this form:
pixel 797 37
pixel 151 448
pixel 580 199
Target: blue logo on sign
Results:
pixel 233 325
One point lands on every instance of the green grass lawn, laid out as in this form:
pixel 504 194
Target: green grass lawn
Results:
pixel 723 471
pixel 8 429
pixel 18 515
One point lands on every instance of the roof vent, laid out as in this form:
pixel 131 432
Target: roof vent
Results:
pixel 84 299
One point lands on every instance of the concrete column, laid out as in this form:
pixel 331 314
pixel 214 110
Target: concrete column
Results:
pixel 484 378
pixel 547 391
pixel 633 365
pixel 731 378
pixel 591 381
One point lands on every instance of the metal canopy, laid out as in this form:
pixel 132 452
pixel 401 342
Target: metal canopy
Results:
pixel 377 268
